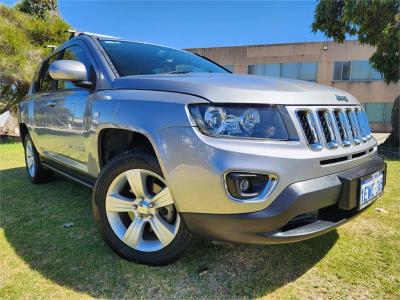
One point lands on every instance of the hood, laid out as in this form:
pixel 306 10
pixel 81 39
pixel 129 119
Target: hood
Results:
pixel 232 88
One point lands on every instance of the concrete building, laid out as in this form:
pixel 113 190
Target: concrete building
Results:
pixel 344 66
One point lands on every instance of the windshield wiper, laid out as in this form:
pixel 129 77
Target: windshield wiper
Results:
pixel 178 72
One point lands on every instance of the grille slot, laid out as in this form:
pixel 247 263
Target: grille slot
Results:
pixel 334 126
pixel 354 126
pixel 344 158
pixel 308 124
pixel 363 122
pixel 327 121
pixel 344 127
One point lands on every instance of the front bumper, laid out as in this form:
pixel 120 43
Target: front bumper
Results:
pixel 194 166
pixel 303 210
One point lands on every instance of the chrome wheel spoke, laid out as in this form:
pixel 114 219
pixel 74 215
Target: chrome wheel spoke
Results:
pixel 29 160
pixel 118 203
pixel 163 198
pixel 152 228
pixel 134 233
pixel 137 182
pixel 29 148
pixel 162 229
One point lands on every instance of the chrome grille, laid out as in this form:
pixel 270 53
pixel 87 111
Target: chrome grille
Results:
pixel 328 127
pixel 308 123
pixel 334 127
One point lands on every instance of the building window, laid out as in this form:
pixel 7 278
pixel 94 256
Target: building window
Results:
pixel 379 112
pixel 229 67
pixel 356 70
pixel 298 70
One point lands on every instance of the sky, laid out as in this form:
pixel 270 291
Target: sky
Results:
pixel 191 24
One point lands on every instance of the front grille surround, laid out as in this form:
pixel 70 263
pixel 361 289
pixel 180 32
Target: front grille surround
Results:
pixel 334 127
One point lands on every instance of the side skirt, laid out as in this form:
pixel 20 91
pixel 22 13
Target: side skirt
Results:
pixel 74 176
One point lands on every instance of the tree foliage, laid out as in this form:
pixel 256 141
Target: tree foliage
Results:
pixel 39 8
pixel 373 22
pixel 22 37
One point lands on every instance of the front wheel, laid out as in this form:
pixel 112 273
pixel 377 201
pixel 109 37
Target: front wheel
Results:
pixel 135 212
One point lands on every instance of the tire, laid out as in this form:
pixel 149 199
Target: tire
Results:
pixel 135 212
pixel 35 170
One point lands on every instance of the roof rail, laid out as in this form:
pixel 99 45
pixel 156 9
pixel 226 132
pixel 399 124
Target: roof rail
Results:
pixel 52 47
pixel 97 35
pixel 72 33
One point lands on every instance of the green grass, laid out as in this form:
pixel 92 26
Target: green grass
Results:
pixel 40 259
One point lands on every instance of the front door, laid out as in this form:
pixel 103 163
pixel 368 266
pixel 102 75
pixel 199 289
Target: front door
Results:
pixel 67 120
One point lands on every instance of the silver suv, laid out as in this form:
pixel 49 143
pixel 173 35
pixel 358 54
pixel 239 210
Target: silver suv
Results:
pixel 174 145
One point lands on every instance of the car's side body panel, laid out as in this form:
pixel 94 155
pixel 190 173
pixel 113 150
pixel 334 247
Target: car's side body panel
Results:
pixel 150 112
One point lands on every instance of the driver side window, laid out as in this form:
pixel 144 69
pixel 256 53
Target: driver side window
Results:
pixel 46 83
pixel 74 53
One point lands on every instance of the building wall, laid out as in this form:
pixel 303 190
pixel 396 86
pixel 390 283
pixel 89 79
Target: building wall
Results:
pixel 375 95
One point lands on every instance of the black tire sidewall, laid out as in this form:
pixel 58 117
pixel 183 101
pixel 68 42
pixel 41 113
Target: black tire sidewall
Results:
pixel 120 164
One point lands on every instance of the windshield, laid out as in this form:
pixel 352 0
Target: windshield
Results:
pixel 130 58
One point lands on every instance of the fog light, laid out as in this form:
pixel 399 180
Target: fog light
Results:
pixel 244 185
pixel 249 186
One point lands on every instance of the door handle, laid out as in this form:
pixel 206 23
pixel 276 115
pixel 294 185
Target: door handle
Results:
pixel 51 103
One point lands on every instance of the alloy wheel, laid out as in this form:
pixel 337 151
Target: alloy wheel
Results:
pixel 141 211
pixel 30 158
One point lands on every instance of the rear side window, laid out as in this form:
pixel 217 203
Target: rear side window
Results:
pixel 74 53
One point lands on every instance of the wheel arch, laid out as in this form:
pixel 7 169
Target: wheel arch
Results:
pixel 114 141
pixel 23 131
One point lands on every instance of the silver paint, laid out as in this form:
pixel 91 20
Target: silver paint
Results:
pixel 193 164
pixel 68 70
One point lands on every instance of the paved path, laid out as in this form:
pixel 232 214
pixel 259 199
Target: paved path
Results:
pixel 380 137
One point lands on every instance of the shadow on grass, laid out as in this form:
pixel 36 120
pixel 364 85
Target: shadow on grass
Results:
pixel 76 257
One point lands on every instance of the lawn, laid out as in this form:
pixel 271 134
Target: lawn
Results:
pixel 41 259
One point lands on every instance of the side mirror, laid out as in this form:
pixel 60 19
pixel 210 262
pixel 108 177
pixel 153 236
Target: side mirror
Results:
pixel 72 70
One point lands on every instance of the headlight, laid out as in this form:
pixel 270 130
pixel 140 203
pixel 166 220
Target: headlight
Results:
pixel 255 121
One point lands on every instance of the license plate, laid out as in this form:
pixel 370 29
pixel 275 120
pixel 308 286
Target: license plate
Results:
pixel 371 187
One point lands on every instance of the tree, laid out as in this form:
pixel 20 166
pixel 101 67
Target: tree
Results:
pixel 394 137
pixel 373 22
pixel 22 37
pixel 38 8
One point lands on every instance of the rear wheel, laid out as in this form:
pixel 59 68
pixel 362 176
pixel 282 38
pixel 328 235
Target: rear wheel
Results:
pixel 35 170
pixel 135 211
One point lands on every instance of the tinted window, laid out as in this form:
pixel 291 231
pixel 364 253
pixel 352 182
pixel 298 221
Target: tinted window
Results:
pixel 301 70
pixel 36 80
pixel 46 82
pixel 273 70
pixel 357 70
pixel 337 72
pixel 290 70
pixel 375 112
pixel 375 75
pixel 78 54
pixel 346 70
pixel 308 71
pixel 360 70
pixel 130 58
